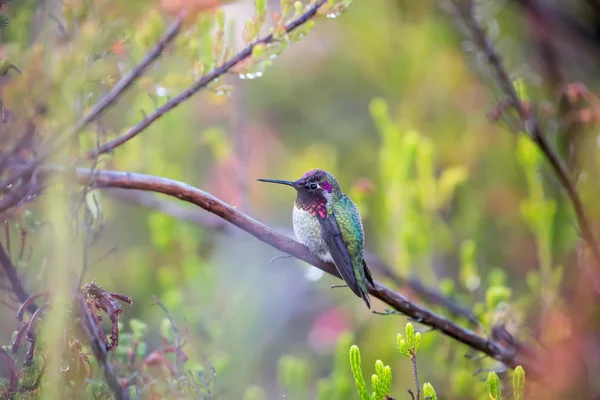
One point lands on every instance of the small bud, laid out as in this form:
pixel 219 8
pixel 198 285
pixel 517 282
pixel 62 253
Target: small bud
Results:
pixel 386 380
pixel 357 372
pixel 258 49
pixel 410 336
pixel 375 383
pixel 493 386
pixel 261 7
pixel 519 383
pixel 429 391
pixel 402 347
pixel 298 7
pixel 496 295
pixel 417 341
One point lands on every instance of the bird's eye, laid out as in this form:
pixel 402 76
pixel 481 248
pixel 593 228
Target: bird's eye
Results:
pixel 313 186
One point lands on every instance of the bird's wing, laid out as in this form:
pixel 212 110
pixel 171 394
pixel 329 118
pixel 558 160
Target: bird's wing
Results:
pixel 332 235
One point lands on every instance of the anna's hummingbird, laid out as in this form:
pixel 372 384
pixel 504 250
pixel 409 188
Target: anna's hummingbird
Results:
pixel 328 223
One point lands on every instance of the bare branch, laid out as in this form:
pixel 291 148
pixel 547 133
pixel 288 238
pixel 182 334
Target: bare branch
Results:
pixel 185 192
pixel 200 84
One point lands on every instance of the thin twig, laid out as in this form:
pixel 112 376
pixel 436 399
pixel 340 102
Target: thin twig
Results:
pixel 12 369
pixel 533 127
pixel 185 192
pixel 175 332
pixel 413 359
pixel 15 281
pixel 200 84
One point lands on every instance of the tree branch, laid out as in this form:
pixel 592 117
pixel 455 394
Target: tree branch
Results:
pixel 208 221
pixel 125 180
pixel 200 84
pixel 533 127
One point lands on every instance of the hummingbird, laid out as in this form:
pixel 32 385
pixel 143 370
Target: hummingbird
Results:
pixel 327 221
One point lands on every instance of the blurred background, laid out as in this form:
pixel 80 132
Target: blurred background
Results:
pixel 389 97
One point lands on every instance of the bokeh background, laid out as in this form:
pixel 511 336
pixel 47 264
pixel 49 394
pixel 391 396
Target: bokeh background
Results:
pixel 391 99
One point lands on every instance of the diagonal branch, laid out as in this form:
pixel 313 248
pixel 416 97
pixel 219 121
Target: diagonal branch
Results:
pixel 208 221
pixel 533 127
pixel 200 84
pixel 125 180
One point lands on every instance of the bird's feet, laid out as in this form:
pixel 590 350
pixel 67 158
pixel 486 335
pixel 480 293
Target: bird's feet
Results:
pixel 338 286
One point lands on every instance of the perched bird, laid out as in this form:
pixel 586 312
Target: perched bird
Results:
pixel 328 223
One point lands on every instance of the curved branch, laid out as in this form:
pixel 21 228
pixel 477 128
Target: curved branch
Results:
pixel 200 84
pixel 126 180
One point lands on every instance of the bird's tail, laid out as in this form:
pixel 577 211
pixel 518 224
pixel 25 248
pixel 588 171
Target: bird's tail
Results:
pixel 366 298
pixel 364 293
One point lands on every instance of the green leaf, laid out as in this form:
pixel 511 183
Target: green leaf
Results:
pixel 402 346
pixel 521 89
pixel 429 392
pixel 496 295
pixel 357 372
pixel 410 335
pixel 375 383
pixel 493 386
pixel 519 383
pixel 417 342
pixel 528 153
pixel 261 7
pixel 386 380
pixel 448 182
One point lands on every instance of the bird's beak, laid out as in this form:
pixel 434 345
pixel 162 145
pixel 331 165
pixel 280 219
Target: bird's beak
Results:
pixel 289 183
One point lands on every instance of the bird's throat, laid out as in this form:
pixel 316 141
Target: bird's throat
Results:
pixel 315 206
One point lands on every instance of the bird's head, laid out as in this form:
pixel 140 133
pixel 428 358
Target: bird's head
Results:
pixel 315 186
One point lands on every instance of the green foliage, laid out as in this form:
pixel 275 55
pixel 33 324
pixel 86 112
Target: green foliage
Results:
pixel 409 345
pixel 338 385
pixel 293 376
pixel 254 393
pixel 429 392
pixel 413 191
pixel 381 381
pixel 539 212
pixel 496 295
pixel 519 383
pixel 357 372
pixel 494 387
pixel 468 266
